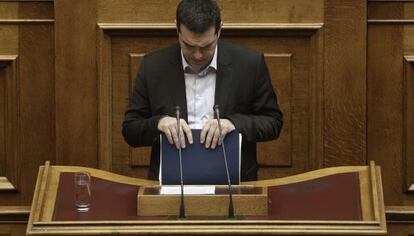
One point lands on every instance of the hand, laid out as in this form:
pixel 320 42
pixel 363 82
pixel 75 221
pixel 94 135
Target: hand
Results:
pixel 168 125
pixel 210 133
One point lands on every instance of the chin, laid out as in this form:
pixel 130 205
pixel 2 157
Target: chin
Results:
pixel 200 65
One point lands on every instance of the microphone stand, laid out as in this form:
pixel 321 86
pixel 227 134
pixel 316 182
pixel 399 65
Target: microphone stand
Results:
pixel 182 209
pixel 231 207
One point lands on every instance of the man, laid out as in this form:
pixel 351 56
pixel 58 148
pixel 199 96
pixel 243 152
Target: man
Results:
pixel 195 74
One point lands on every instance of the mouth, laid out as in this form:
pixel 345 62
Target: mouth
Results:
pixel 196 62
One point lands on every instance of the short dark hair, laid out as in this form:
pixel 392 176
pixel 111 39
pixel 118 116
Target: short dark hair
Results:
pixel 198 15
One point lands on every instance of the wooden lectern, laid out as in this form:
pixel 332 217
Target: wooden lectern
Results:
pixel 332 201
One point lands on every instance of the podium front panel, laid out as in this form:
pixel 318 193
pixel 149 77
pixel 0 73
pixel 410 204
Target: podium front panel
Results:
pixel 335 197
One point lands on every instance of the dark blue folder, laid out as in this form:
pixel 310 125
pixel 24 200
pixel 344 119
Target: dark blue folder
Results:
pixel 201 166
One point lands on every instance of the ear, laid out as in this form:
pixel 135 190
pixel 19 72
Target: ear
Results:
pixel 176 27
pixel 219 32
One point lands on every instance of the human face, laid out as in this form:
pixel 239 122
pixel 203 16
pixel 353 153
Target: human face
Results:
pixel 198 49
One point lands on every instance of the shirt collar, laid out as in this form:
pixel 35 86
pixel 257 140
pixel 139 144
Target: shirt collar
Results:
pixel 213 63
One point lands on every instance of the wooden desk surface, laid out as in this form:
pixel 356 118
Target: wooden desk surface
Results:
pixel 53 213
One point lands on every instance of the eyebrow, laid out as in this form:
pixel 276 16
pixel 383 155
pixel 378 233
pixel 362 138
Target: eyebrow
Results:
pixel 205 46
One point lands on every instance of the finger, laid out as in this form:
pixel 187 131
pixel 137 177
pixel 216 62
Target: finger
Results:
pixel 204 131
pixel 182 138
pixel 167 133
pixel 187 132
pixel 223 134
pixel 173 131
pixel 161 124
pixel 209 137
pixel 216 138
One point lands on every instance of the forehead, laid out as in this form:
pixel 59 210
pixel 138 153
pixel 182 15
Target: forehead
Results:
pixel 197 39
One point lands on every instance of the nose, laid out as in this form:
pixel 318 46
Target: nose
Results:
pixel 197 54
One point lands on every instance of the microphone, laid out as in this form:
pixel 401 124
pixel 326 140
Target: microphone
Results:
pixel 182 209
pixel 231 208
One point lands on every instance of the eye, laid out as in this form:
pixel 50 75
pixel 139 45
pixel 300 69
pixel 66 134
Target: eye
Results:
pixel 188 46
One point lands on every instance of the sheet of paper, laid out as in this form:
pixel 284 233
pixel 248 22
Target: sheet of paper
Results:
pixel 188 190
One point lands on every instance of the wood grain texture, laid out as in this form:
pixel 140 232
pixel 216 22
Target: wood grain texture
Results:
pixel 316 98
pixel 272 11
pixel 408 110
pixel 43 208
pixel 345 83
pixel 289 61
pixel 294 42
pixel 76 83
pixel 392 10
pixel 23 10
pixel 279 152
pixel 11 120
pixel 2 117
pixel 12 229
pixel 327 87
pixel 9 46
pixel 36 10
pixel 408 123
pixel 138 156
pixel 201 205
pixel 385 10
pixel 9 39
pixel 128 47
pixel 400 229
pixel 9 10
pixel 384 106
pixel 28 88
pixel 104 100
pixel 232 11
pixel 36 103
pixel 389 98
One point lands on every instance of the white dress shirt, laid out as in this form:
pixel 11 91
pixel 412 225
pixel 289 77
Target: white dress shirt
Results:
pixel 200 89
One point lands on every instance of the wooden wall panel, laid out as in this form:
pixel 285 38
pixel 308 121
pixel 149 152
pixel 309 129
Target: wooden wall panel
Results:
pixel 389 92
pixel 9 10
pixel 400 229
pixel 76 83
pixel 287 52
pixel 10 160
pixel 389 105
pixel 2 118
pixel 39 10
pixel 139 157
pixel 408 123
pixel 240 11
pixel 125 159
pixel 9 39
pixel 27 59
pixel 279 152
pixel 268 34
pixel 13 230
pixel 36 102
pixel 293 154
pixel 346 91
pixel 345 83
pixel 384 105
pixel 345 86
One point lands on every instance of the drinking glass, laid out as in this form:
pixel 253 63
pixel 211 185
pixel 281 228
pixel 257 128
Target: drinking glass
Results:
pixel 82 191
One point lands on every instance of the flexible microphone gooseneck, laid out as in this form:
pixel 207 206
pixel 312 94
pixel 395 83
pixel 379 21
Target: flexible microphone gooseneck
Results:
pixel 231 208
pixel 182 209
